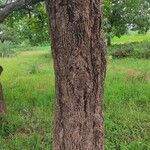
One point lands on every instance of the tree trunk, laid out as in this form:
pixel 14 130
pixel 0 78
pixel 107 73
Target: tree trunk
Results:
pixel 109 40
pixel 2 104
pixel 79 63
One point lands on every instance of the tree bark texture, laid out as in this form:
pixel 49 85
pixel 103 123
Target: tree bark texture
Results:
pixel 79 63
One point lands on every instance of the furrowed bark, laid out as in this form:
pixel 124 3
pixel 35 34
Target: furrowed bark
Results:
pixel 79 63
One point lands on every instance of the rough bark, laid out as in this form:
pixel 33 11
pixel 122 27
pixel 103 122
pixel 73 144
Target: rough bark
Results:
pixel 2 103
pixel 79 62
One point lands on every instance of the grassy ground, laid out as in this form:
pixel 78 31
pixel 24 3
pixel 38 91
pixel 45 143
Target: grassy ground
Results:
pixel 133 37
pixel 28 82
pixel 127 103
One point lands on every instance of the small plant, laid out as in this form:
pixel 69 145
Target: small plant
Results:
pixel 33 69
pixel 8 34
pixel 122 53
pixel 6 128
pixel 143 50
pixel 145 53
pixel 135 50
pixel 5 50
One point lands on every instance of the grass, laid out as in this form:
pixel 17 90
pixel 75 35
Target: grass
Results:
pixel 28 82
pixel 30 100
pixel 133 37
pixel 127 103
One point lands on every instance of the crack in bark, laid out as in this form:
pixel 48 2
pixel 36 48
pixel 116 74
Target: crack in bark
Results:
pixel 70 10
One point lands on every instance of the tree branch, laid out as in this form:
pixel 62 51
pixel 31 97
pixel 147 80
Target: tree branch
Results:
pixel 8 8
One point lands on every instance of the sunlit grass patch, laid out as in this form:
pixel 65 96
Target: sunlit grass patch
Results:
pixel 129 38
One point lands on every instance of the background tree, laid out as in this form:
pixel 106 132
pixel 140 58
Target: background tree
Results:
pixel 119 18
pixel 122 16
pixel 30 24
pixel 34 25
pixel 141 21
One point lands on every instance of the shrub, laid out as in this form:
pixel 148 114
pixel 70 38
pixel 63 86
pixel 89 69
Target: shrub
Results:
pixel 142 50
pixel 8 34
pixel 135 49
pixel 122 53
pixel 32 69
pixel 5 50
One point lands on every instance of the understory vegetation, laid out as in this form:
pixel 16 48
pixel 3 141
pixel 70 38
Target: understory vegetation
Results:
pixel 134 50
pixel 29 89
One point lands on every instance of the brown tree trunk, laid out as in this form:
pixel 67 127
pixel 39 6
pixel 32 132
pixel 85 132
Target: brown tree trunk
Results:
pixel 108 40
pixel 79 62
pixel 2 104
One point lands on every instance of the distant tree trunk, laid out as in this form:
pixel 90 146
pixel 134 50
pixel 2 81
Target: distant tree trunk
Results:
pixel 108 41
pixel 2 104
pixel 79 62
pixel 109 32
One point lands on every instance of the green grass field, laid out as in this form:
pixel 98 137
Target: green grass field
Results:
pixel 133 37
pixel 28 82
